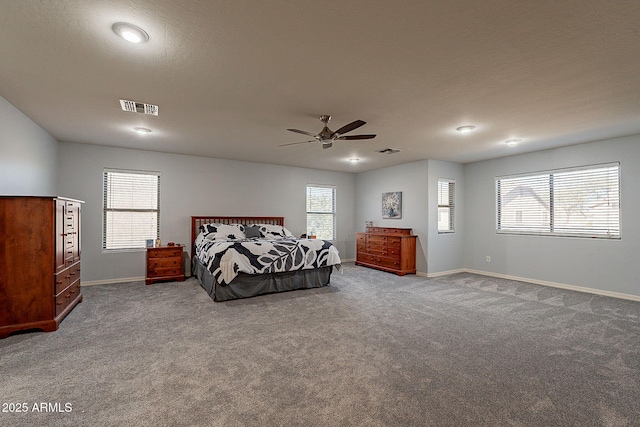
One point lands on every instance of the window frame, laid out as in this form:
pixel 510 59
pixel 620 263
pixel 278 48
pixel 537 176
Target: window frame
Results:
pixel 105 209
pixel 451 205
pixel 550 176
pixel 334 208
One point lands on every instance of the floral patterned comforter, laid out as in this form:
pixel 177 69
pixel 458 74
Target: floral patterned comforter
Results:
pixel 225 259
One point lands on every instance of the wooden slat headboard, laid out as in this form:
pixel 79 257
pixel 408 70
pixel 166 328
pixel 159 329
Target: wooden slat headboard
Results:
pixel 197 221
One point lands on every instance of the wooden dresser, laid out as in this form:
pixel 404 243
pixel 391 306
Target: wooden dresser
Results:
pixel 386 248
pixel 165 263
pixel 39 262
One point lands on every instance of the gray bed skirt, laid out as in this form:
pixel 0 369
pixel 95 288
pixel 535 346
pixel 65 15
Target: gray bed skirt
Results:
pixel 246 285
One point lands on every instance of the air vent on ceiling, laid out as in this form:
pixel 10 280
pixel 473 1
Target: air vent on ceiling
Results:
pixel 139 107
pixel 388 151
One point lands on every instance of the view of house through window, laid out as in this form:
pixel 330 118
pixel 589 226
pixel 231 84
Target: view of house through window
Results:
pixel 321 211
pixel 580 202
pixel 446 201
pixel 131 208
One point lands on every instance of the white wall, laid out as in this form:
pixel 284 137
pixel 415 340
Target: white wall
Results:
pixel 411 179
pixel 607 265
pixel 27 155
pixel 445 251
pixel 193 186
pixel 418 181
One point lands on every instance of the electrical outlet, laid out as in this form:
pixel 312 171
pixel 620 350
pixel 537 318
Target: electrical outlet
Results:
pixel 488 258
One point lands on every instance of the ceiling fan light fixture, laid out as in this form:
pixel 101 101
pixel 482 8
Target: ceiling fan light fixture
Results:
pixel 327 137
pixel 465 129
pixel 129 32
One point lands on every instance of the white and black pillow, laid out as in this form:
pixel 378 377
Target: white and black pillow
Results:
pixel 273 232
pixel 223 231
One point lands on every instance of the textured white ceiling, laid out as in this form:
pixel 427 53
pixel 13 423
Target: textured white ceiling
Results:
pixel 231 76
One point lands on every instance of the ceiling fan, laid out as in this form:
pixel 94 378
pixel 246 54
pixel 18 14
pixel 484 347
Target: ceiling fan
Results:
pixel 327 136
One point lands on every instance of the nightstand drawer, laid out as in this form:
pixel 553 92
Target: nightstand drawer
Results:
pixel 165 252
pixel 164 271
pixel 164 262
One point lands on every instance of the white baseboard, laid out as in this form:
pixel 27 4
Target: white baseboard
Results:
pixel 442 273
pixel 555 285
pixel 110 281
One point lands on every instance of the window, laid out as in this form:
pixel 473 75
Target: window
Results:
pixel 579 202
pixel 321 211
pixel 131 208
pixel 446 202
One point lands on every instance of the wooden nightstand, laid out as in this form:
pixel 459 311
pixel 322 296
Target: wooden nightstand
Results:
pixel 165 263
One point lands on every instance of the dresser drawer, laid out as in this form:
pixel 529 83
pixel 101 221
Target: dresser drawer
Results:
pixel 67 296
pixel 362 257
pixel 72 207
pixel 376 240
pixel 62 281
pixel 377 249
pixel 66 277
pixel 165 252
pixel 388 262
pixel 393 247
pixel 394 242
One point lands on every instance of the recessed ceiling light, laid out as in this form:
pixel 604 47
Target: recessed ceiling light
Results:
pixel 354 160
pixel 512 142
pixel 130 32
pixel 465 129
pixel 142 131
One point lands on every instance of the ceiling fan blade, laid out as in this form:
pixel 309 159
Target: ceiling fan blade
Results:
pixel 348 128
pixel 302 132
pixel 294 143
pixel 326 145
pixel 348 137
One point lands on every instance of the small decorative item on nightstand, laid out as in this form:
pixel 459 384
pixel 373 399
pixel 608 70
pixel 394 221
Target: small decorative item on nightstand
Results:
pixel 165 263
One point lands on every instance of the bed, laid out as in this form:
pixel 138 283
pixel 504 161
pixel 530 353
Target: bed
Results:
pixel 240 257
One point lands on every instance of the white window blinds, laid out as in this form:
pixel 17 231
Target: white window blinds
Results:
pixel 446 205
pixel 580 202
pixel 321 211
pixel 131 208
